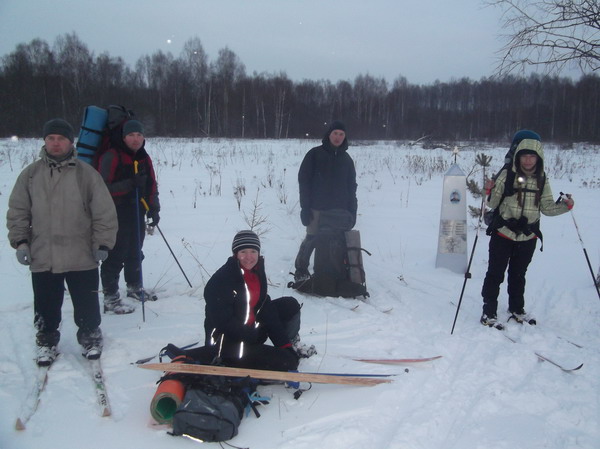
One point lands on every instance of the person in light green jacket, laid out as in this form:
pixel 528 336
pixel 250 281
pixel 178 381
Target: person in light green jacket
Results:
pixel 521 193
pixel 62 221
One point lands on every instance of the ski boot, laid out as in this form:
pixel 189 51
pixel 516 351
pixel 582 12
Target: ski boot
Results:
pixel 522 317
pixel 303 350
pixel 490 321
pixel 135 291
pixel 91 342
pixel 46 355
pixel 113 305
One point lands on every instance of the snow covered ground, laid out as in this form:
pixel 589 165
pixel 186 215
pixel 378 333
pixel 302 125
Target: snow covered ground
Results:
pixel 485 392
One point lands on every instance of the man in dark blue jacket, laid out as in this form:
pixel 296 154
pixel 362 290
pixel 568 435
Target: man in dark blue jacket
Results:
pixel 327 179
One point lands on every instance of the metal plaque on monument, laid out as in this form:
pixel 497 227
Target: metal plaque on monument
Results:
pixel 452 240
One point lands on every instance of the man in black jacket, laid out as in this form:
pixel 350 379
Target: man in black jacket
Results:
pixel 327 179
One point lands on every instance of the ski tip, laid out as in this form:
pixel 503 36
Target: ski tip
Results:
pixel 19 425
pixel 579 367
pixel 106 412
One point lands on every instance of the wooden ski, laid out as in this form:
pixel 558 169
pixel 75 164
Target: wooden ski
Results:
pixel 325 378
pixel 398 361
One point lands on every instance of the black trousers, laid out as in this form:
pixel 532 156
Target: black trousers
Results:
pixel 127 251
pixel 48 296
pixel 255 357
pixel 517 256
pixel 283 319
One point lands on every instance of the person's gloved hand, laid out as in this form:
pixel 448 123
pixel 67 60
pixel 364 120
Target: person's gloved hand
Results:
pixel 568 200
pixel 101 254
pixel 153 216
pixel 306 216
pixel 23 254
pixel 140 180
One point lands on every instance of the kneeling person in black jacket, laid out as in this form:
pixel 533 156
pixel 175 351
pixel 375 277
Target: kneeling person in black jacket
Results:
pixel 240 315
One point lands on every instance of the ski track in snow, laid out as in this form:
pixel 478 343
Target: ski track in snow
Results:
pixel 485 392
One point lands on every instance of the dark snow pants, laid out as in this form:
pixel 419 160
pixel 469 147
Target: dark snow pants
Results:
pixel 281 324
pixel 48 296
pixel 125 253
pixel 504 252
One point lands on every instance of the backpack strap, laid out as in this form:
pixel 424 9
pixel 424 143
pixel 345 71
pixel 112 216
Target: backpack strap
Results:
pixel 519 226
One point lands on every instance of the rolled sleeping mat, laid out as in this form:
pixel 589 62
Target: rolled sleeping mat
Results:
pixel 167 398
pixel 90 134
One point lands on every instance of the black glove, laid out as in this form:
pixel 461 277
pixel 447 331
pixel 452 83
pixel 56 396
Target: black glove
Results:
pixel 140 180
pixel 153 217
pixel 306 216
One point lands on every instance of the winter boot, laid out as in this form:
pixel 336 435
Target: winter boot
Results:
pixel 172 352
pixel 135 291
pixel 301 275
pixel 522 317
pixel 115 306
pixel 91 341
pixel 303 350
pixel 490 321
pixel 46 355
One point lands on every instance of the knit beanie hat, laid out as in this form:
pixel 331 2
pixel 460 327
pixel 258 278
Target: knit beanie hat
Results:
pixel 132 126
pixel 60 127
pixel 336 124
pixel 245 240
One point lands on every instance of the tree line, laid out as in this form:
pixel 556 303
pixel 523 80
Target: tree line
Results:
pixel 190 96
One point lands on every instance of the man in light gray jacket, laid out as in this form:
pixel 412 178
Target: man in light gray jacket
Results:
pixel 62 221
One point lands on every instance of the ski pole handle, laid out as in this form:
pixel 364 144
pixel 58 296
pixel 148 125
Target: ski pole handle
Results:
pixel 135 172
pixel 567 198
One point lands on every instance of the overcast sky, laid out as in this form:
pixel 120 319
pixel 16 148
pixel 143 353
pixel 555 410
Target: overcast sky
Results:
pixel 422 40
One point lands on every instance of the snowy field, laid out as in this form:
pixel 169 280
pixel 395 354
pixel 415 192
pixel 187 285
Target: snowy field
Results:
pixel 485 392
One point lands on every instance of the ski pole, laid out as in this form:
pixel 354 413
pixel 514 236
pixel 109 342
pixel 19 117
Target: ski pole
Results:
pixel 143 201
pixel 172 254
pixel 562 198
pixel 139 240
pixel 468 273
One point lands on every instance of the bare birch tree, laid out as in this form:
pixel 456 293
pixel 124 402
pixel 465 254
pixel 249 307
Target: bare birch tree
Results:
pixel 550 33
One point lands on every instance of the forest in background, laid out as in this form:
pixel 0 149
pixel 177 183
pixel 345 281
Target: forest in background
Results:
pixel 193 96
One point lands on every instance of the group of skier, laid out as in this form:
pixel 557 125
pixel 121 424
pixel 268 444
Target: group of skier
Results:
pixel 65 218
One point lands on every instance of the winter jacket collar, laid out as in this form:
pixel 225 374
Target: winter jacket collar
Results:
pixel 51 162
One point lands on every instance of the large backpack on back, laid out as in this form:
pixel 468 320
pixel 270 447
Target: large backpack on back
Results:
pixel 98 127
pixel 337 266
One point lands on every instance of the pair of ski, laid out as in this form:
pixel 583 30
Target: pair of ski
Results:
pixel 541 357
pixel 32 401
pixel 326 378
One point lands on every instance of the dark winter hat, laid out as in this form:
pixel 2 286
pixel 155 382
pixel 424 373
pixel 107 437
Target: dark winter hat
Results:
pixel 336 124
pixel 132 126
pixel 245 240
pixel 525 134
pixel 59 126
